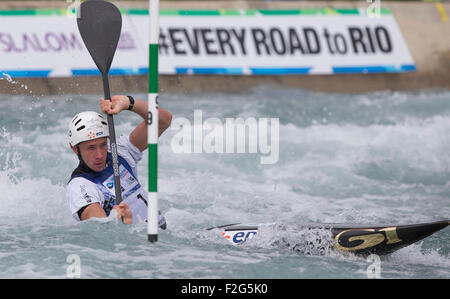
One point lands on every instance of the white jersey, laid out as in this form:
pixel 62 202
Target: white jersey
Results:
pixel 85 189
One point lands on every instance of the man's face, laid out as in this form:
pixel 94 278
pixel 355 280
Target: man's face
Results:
pixel 94 153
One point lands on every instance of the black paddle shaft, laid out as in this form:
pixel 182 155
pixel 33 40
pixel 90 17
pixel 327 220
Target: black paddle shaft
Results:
pixel 100 24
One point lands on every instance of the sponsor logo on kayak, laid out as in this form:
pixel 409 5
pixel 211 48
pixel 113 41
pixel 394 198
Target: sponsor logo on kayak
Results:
pixel 361 239
pixel 238 237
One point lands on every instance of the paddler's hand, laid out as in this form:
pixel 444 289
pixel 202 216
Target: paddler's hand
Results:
pixel 123 210
pixel 116 105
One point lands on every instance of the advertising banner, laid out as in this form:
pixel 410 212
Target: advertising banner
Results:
pixel 46 43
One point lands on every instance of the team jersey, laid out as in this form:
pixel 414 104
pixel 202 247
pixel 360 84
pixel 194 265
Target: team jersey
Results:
pixel 87 187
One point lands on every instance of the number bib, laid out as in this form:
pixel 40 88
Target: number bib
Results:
pixel 132 192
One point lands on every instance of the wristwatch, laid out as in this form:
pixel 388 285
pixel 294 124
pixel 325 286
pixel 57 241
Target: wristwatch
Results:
pixel 131 103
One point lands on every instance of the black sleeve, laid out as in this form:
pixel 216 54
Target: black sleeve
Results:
pixel 80 211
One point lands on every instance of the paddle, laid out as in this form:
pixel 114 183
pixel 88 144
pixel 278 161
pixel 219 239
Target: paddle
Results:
pixel 100 23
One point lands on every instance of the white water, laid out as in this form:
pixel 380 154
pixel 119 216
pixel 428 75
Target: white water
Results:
pixel 367 158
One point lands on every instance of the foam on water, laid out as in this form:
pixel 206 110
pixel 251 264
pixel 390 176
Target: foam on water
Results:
pixel 367 158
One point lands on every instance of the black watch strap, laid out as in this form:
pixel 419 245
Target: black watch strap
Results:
pixel 131 103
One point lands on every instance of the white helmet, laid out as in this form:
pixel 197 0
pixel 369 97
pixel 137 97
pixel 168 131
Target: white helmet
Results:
pixel 86 126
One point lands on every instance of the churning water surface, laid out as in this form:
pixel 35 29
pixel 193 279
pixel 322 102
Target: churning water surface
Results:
pixel 351 158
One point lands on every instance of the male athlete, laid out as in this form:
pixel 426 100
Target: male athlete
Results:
pixel 90 191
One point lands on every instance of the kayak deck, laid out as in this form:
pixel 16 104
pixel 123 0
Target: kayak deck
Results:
pixel 361 239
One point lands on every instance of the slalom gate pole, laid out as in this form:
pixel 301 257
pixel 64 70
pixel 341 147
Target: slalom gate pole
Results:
pixel 153 121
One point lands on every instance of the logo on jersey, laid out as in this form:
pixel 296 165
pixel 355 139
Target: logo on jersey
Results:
pixel 85 195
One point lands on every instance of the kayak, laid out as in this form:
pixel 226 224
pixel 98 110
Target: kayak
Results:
pixel 360 239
